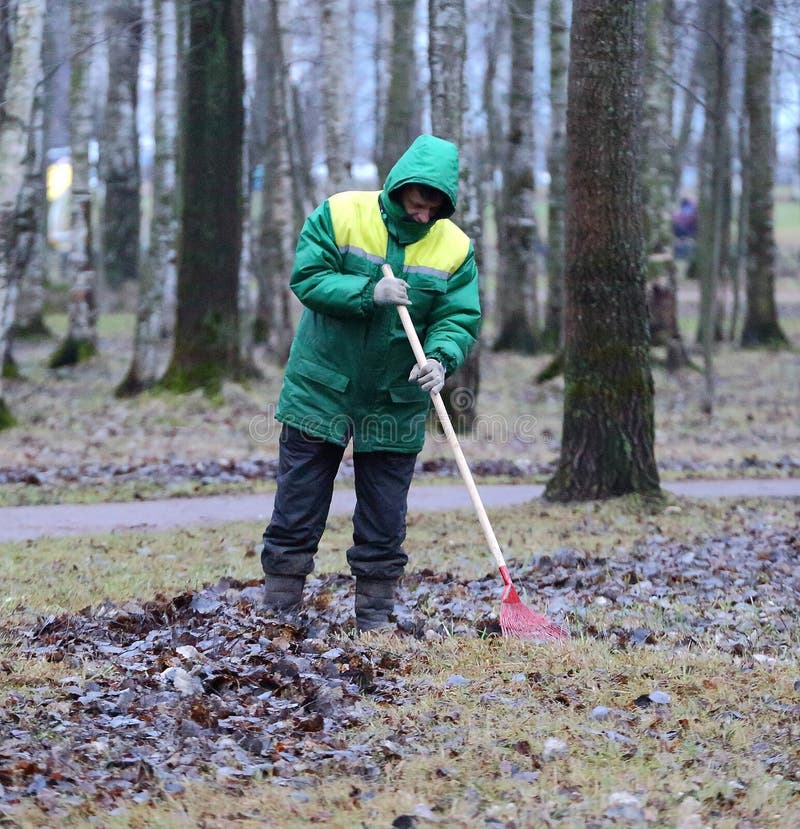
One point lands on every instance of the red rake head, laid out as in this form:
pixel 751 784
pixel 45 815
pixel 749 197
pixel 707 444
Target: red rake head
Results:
pixel 521 622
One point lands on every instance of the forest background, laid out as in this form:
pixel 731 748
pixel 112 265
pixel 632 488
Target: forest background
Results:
pixel 171 151
pixel 157 161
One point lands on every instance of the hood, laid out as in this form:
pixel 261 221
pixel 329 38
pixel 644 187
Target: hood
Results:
pixel 429 160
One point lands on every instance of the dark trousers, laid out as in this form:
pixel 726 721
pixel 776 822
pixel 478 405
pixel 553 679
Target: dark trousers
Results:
pixel 307 467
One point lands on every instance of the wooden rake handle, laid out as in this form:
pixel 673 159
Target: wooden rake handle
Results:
pixel 452 439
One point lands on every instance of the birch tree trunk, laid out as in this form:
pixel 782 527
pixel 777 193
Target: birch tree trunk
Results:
pixel 401 112
pixel 714 178
pixel 157 274
pixel 56 89
pixel 607 446
pixel 28 258
pixel 446 55
pixel 206 347
pixel 81 341
pixel 517 306
pixel 119 152
pixel 658 177
pixel 336 72
pixel 24 73
pixel 761 326
pixel 274 228
pixel 556 163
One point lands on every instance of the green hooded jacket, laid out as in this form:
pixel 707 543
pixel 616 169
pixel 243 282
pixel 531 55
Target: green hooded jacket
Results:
pixel 347 374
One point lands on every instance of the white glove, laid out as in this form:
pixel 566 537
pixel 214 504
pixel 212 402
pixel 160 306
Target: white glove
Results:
pixel 389 290
pixel 430 377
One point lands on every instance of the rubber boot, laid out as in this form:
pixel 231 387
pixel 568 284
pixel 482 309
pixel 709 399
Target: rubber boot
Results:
pixel 374 603
pixel 283 594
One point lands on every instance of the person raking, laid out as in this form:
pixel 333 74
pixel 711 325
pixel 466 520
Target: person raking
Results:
pixel 351 374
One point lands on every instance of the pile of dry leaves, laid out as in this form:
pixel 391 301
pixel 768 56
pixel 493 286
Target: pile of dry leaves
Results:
pixel 205 685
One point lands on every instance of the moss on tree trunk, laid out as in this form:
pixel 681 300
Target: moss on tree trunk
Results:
pixel 206 349
pixel 607 445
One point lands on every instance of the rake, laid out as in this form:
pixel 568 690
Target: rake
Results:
pixel 516 619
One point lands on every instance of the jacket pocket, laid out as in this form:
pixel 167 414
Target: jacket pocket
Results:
pixel 425 282
pixel 409 393
pixel 322 374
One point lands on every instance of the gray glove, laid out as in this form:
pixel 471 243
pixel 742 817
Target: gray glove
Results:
pixel 430 377
pixel 391 291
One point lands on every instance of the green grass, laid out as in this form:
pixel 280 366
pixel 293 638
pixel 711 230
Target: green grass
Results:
pixel 475 751
pixel 787 226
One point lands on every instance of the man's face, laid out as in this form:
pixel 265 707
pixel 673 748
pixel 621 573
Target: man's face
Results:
pixel 419 208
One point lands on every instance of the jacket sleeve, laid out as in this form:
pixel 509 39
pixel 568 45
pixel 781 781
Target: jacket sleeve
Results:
pixel 455 321
pixel 317 278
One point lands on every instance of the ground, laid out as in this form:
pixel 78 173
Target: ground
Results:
pixel 142 685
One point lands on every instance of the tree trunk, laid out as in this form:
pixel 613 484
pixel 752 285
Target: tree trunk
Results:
pixel 761 326
pixel 608 432
pixel 714 178
pixel 446 54
pixel 336 97
pixel 29 257
pixel 401 111
pixel 206 348
pixel 24 72
pixel 552 336
pixel 659 175
pixel 274 229
pixel 739 266
pixel 81 341
pixel 517 308
pixel 56 91
pixel 688 92
pixel 157 278
pixel 119 153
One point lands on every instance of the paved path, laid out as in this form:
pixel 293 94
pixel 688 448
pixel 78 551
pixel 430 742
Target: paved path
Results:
pixel 21 523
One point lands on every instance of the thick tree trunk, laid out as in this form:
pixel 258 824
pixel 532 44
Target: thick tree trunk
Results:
pixel 552 336
pixel 81 340
pixel 608 432
pixel 206 348
pixel 119 153
pixel 400 116
pixel 517 307
pixel 157 278
pixel 24 72
pixel 761 326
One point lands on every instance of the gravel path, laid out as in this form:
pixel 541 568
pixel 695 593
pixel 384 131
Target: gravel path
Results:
pixel 22 523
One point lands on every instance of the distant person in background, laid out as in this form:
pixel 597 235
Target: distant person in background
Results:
pixel 684 226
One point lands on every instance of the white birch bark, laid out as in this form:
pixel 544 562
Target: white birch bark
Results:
pixel 446 54
pixel 23 75
pixel 157 277
pixel 336 72
pixel 81 339
pixel 27 259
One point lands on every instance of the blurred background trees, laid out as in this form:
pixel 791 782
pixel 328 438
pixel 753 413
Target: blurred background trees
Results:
pixel 169 159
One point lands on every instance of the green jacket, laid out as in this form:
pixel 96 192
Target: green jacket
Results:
pixel 348 367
